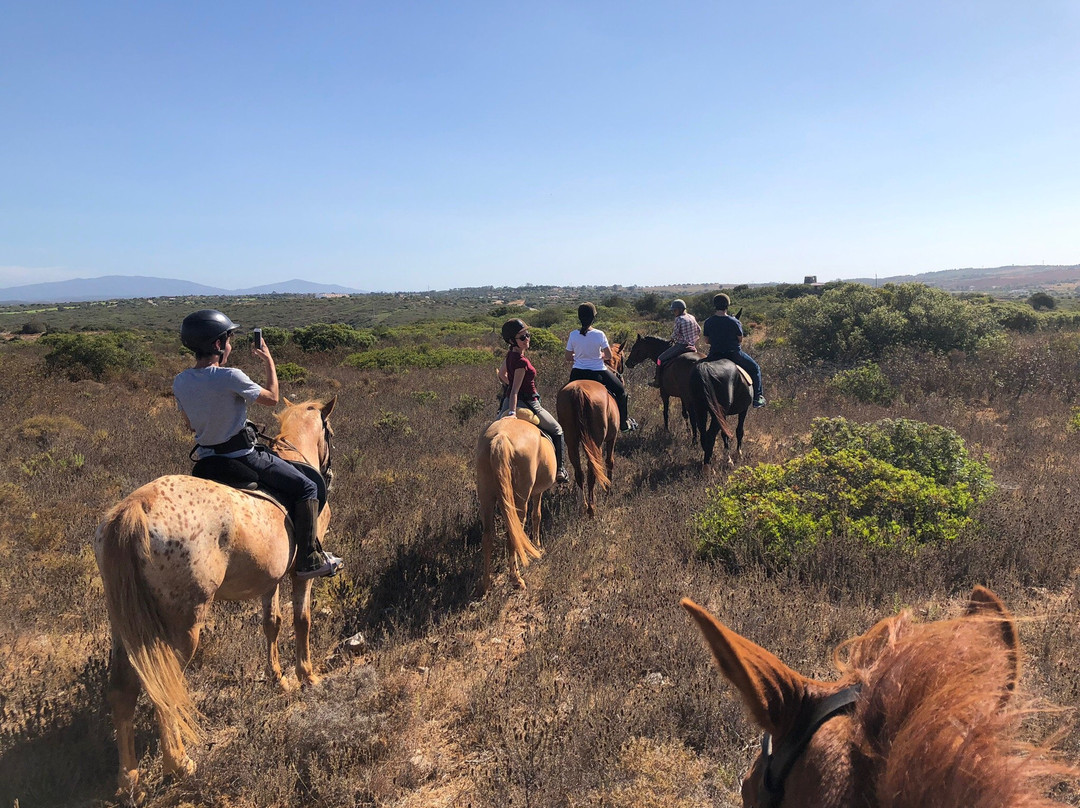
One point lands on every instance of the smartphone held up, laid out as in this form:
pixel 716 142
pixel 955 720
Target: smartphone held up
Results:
pixel 256 337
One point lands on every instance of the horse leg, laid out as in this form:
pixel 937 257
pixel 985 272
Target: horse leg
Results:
pixel 708 439
pixel 739 435
pixel 175 758
pixel 590 494
pixel 727 451
pixel 301 605
pixel 534 519
pixel 123 692
pixel 271 624
pixel 666 399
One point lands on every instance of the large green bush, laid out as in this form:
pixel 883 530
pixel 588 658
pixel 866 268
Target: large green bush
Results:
pixel 92 356
pixel 852 321
pixel 327 336
pixel 894 483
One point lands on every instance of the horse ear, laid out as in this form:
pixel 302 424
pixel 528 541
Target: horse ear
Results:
pixel 986 606
pixel 772 691
pixel 287 402
pixel 328 407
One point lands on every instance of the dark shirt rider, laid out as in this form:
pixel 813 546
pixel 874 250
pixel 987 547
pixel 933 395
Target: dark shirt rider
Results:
pixel 725 336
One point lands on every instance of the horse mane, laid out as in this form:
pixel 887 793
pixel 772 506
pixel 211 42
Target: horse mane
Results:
pixel 939 718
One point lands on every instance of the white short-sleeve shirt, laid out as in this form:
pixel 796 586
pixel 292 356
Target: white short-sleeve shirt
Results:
pixel 588 348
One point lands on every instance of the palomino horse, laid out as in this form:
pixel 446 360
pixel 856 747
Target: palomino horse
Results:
pixel 922 715
pixel 674 378
pixel 590 421
pixel 515 465
pixel 718 389
pixel 165 553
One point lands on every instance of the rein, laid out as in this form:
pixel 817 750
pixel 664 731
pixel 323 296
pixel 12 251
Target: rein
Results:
pixel 777 763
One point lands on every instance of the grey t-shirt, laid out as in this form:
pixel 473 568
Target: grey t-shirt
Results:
pixel 215 401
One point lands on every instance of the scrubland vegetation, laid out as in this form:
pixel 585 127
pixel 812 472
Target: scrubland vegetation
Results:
pixel 915 444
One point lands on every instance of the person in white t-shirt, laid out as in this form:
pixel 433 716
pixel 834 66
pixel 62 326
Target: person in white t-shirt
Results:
pixel 587 348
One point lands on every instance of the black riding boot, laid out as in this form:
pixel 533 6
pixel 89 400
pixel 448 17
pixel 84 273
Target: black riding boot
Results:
pixel 656 376
pixel 311 561
pixel 560 455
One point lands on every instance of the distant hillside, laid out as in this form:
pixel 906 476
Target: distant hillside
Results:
pixel 118 287
pixel 992 279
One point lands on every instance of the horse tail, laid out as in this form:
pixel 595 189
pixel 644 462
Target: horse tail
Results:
pixel 703 386
pixel 583 407
pixel 502 453
pixel 136 619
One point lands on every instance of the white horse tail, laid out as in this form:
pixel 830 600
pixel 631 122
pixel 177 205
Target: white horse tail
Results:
pixel 136 619
pixel 502 455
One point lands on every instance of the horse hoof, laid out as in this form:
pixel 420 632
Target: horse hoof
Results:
pixel 182 769
pixel 310 680
pixel 519 583
pixel 128 791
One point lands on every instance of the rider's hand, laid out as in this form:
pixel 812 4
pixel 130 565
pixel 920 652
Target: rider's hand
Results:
pixel 263 352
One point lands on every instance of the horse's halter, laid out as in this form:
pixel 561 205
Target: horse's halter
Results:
pixel 776 763
pixel 324 451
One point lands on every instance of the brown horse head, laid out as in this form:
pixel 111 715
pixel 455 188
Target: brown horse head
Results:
pixel 921 715
pixel 645 349
pixel 616 362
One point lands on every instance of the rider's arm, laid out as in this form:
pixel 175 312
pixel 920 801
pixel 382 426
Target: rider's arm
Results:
pixel 268 395
pixel 187 423
pixel 519 377
pixel 569 356
pixel 607 355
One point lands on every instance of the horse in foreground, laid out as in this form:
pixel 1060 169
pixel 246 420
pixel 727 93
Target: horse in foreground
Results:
pixel 165 553
pixel 675 377
pixel 922 716
pixel 718 389
pixel 515 465
pixel 589 417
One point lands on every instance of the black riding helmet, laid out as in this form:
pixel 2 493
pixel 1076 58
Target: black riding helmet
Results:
pixel 511 328
pixel 202 329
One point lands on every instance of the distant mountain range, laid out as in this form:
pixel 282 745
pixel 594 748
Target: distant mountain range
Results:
pixel 116 287
pixel 994 279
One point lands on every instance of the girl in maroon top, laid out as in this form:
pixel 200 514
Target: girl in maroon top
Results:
pixel 519 376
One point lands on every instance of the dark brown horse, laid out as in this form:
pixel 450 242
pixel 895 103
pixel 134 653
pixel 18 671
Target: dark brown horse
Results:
pixel 718 389
pixel 674 377
pixel 921 716
pixel 590 421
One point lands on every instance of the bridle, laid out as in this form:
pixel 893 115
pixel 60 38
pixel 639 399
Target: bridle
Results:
pixel 325 460
pixel 777 763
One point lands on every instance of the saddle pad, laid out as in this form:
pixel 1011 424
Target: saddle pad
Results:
pixel 745 375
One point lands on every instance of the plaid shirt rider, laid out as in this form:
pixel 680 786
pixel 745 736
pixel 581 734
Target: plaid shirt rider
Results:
pixel 686 331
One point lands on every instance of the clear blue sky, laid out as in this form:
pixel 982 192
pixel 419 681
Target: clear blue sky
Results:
pixel 406 146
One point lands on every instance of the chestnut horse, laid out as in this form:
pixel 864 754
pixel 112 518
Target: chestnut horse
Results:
pixel 590 420
pixel 922 716
pixel 515 465
pixel 674 378
pixel 165 553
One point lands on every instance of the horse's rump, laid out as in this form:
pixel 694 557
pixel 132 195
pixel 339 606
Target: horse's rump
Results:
pixel 712 391
pixel 584 409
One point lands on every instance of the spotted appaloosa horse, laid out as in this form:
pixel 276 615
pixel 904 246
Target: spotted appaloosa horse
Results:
pixel 515 465
pixel 922 716
pixel 165 553
pixel 589 417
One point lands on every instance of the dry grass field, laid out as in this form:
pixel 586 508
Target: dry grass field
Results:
pixel 590 689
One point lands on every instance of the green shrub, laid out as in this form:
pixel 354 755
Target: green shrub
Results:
pixel 466 406
pixel 420 357
pixel 1073 424
pixel 34 325
pixel 1041 301
pixel 853 321
pixel 393 422
pixel 83 356
pixel 327 336
pixel 895 483
pixel 865 383
pixel 424 396
pixel 292 372
pixel 549 316
pixel 544 341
